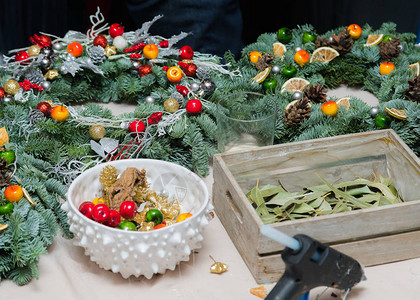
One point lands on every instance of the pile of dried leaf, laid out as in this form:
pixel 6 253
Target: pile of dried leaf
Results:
pixel 274 204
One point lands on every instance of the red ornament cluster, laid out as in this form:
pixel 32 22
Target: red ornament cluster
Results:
pixel 41 40
pixel 100 40
pixel 190 69
pixel 45 108
pixel 145 70
pixel 134 48
pixel 136 127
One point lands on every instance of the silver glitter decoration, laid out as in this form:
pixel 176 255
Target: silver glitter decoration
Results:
pixel 58 46
pixel 195 86
pixel 298 49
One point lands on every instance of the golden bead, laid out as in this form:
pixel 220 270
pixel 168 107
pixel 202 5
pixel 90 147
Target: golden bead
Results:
pixel 51 74
pixel 110 50
pixel 34 50
pixel 11 87
pixel 96 132
pixel 171 105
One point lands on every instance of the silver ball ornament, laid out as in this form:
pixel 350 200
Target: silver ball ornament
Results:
pixel 374 111
pixel 149 99
pixel 46 85
pixel 63 69
pixel 297 95
pixel 58 46
pixel 275 69
pixel 136 64
pixel 298 49
pixel 7 99
pixel 401 47
pixel 45 62
pixel 195 86
pixel 207 85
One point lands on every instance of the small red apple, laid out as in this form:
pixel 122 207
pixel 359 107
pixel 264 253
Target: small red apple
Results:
pixel 86 209
pixel 128 209
pixel 114 219
pixel 116 30
pixel 100 213
pixel 194 106
pixel 186 52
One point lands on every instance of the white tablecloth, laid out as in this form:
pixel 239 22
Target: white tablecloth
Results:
pixel 66 273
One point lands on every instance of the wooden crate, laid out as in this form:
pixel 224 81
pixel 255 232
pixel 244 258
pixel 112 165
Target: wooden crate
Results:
pixel 372 236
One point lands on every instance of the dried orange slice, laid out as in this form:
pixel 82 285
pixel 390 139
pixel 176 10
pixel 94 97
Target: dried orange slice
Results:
pixel 373 40
pixel 279 49
pixel 396 113
pixel 3 226
pixel 324 54
pixel 344 102
pixel 294 84
pixel 416 68
pixel 262 75
pixel 4 136
pixel 260 291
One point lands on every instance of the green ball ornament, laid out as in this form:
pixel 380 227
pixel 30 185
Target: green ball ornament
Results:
pixel 284 35
pixel 308 37
pixel 7 208
pixel 386 38
pixel 289 71
pixel 8 155
pixel 382 121
pixel 127 226
pixel 154 215
pixel 270 84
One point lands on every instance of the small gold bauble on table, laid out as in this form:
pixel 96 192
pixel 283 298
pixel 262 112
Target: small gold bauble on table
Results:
pixel 51 74
pixel 34 50
pixel 11 87
pixel 171 105
pixel 96 132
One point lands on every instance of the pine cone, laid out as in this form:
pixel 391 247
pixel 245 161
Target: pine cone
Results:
pixel 97 54
pixel 315 93
pixel 297 112
pixel 390 49
pixel 264 62
pixel 341 42
pixel 413 91
pixel 34 75
pixel 5 177
pixel 108 176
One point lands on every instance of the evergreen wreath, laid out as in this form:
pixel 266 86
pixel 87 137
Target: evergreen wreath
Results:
pixel 50 154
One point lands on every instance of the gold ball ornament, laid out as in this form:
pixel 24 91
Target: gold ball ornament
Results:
pixel 51 74
pixel 96 132
pixel 110 50
pixel 171 105
pixel 11 87
pixel 34 50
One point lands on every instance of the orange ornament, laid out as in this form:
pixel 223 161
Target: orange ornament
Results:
pixel 254 55
pixel 60 113
pixel 302 57
pixel 75 49
pixel 329 108
pixel 174 74
pixel 183 217
pixel 150 51
pixel 386 67
pixel 13 193
pixel 355 31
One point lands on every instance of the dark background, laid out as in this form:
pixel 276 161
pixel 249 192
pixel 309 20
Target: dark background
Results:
pixel 21 19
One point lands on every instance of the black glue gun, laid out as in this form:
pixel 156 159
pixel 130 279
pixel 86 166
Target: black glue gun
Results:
pixel 311 264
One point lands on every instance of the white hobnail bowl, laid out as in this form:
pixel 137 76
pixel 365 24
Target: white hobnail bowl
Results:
pixel 141 253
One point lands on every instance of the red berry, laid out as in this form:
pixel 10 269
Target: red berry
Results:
pixel 155 118
pixel 114 219
pixel 194 106
pixel 186 52
pixel 100 213
pixel 182 90
pixel 86 209
pixel 116 30
pixel 128 209
pixel 21 55
pixel 136 127
pixel 100 40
